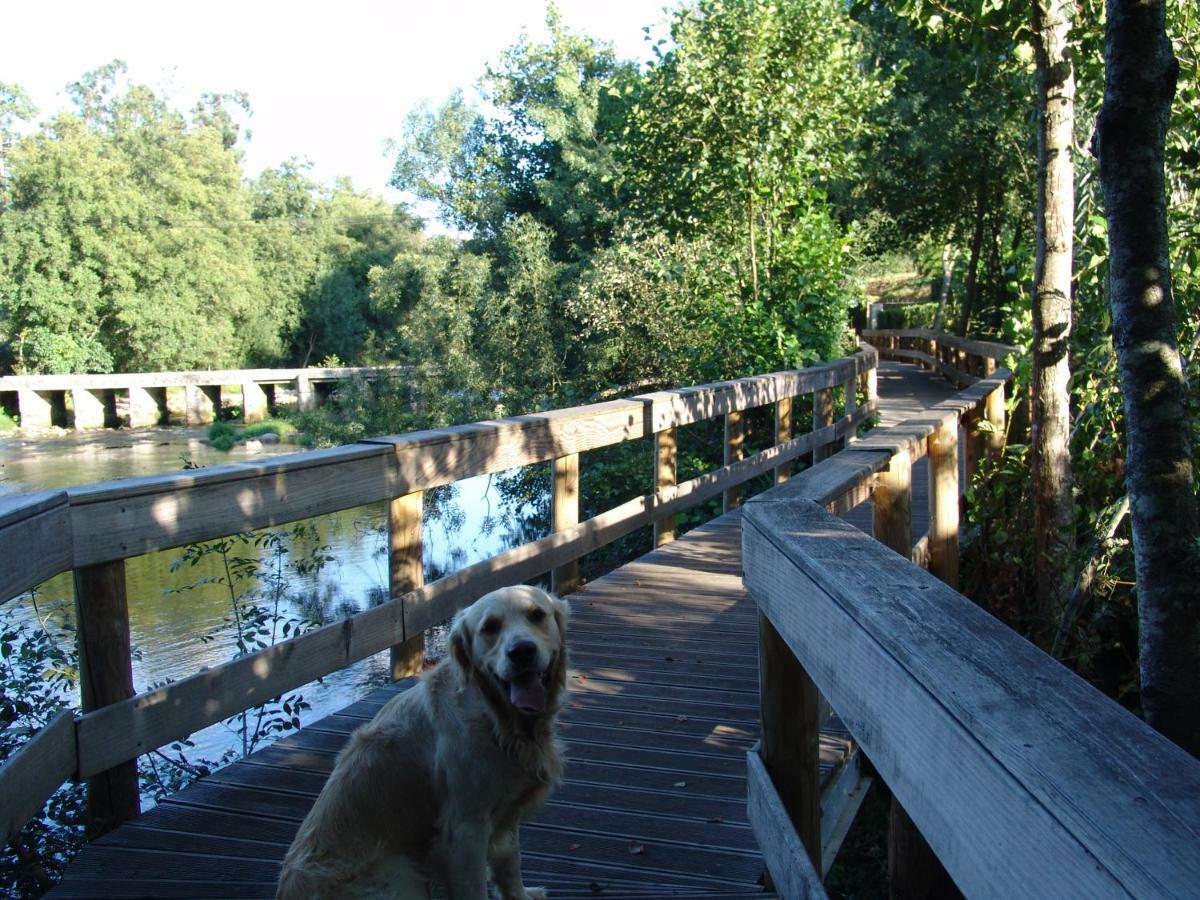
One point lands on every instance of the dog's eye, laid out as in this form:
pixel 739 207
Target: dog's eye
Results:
pixel 536 615
pixel 490 626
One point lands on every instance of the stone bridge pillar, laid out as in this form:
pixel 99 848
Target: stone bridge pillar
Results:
pixel 89 408
pixel 35 410
pixel 306 399
pixel 203 403
pixel 254 402
pixel 147 406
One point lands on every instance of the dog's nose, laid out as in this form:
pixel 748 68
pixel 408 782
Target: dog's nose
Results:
pixel 522 652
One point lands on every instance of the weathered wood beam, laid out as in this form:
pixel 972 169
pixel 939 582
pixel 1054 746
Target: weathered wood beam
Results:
pixel 564 514
pixel 105 680
pixel 406 573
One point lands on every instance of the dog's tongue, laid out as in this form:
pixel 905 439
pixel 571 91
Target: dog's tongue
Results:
pixel 527 693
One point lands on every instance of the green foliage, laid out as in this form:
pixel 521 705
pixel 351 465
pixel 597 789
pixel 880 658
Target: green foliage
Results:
pixel 544 154
pixel 7 422
pixel 256 570
pixel 36 674
pixel 128 241
pixel 225 435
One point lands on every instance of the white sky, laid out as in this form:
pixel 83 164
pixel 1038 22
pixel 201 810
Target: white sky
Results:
pixel 330 82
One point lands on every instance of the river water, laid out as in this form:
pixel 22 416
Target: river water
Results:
pixel 177 630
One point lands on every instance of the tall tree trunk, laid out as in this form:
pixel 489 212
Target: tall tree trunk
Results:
pixel 1139 84
pixel 971 289
pixel 949 258
pixel 1054 531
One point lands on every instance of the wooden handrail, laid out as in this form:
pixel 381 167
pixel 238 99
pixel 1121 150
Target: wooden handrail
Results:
pixel 1008 762
pixel 102 524
pixel 1005 760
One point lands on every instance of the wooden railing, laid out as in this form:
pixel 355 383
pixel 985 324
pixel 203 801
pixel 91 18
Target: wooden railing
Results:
pixel 962 360
pixel 94 529
pixel 1024 780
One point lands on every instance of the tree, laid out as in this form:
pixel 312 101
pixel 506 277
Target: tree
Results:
pixel 125 243
pixel 1140 80
pixel 545 152
pixel 736 136
pixel 1050 457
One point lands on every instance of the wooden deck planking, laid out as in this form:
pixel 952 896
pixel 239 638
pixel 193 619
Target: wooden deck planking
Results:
pixel 663 706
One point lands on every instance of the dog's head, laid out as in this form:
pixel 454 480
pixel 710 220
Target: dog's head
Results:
pixel 514 638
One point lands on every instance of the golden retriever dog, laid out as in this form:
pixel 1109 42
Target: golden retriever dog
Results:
pixel 434 788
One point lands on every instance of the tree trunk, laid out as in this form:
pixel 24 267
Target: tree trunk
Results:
pixel 1054 531
pixel 971 289
pixel 1139 84
pixel 949 258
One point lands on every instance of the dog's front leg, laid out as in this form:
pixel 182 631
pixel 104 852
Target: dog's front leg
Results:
pixel 505 858
pixel 466 863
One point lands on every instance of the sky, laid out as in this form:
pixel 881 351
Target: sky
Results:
pixel 329 81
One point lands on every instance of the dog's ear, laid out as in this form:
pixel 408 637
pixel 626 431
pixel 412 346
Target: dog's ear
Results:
pixel 562 609
pixel 460 643
pixel 562 612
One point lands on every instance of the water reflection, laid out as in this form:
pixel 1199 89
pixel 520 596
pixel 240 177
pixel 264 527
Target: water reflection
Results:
pixel 462 524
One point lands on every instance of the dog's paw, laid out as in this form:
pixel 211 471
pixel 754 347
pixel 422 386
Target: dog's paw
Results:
pixel 535 893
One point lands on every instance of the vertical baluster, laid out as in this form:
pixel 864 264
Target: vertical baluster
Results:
pixel 822 417
pixel 944 502
pixel 912 864
pixel 106 677
pixel 735 436
pixel 406 572
pixel 564 513
pixel 790 711
pixel 665 473
pixel 783 433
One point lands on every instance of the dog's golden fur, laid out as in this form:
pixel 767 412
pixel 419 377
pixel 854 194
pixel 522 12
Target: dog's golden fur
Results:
pixel 434 788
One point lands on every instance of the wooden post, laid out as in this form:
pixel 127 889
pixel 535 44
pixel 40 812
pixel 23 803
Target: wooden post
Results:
pixel 665 473
pixel 783 433
pixel 892 501
pixel 564 513
pixel 822 416
pixel 789 705
pixel 406 572
pixel 851 390
pixel 106 677
pixel 943 502
pixel 735 435
pixel 976 444
pixel 912 865
pixel 993 410
pixel 872 384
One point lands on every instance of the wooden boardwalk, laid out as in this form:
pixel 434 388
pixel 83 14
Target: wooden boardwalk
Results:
pixel 662 709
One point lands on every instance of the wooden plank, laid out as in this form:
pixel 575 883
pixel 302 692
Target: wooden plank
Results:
pixel 564 514
pixel 119 519
pixel 406 573
pixel 35 540
pixel 785 855
pixel 1025 779
pixel 841 799
pixel 36 771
